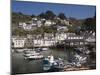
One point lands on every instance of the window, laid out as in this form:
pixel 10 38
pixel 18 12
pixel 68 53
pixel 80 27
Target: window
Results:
pixel 76 37
pixel 18 43
pixel 81 43
pixel 68 37
pixel 71 37
pixel 71 43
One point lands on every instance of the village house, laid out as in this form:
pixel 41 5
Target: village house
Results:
pixel 29 43
pixel 60 36
pixel 46 40
pixel 62 28
pixel 48 35
pixel 34 19
pixel 39 23
pixel 43 42
pixel 22 25
pixel 31 25
pixel 75 40
pixel 91 37
pixel 49 39
pixel 49 23
pixel 27 26
pixel 66 22
pixel 18 42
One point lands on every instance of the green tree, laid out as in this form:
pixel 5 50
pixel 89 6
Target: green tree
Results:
pixel 62 16
pixel 20 17
pixel 33 16
pixel 90 24
pixel 49 15
pixel 19 32
pixel 71 29
pixel 42 15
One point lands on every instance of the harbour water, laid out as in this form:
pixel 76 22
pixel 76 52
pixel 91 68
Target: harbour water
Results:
pixel 21 66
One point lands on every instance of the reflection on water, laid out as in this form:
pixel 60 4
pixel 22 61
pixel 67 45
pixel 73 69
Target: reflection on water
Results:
pixel 19 65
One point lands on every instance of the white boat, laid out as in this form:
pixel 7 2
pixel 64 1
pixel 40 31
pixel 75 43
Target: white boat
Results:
pixel 48 62
pixel 29 53
pixel 44 49
pixel 41 49
pixel 51 63
pixel 33 55
pixel 19 50
pixel 28 50
pixel 38 49
pixel 79 60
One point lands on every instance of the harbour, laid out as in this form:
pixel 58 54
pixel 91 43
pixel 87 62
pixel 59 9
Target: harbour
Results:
pixel 24 66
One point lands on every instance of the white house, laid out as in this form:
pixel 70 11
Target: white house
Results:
pixel 22 24
pixel 28 26
pixel 91 39
pixel 18 42
pixel 66 22
pixel 49 23
pixel 39 23
pixel 73 40
pixel 61 36
pixel 34 18
pixel 48 35
pixel 62 28
pixel 43 42
pixel 75 37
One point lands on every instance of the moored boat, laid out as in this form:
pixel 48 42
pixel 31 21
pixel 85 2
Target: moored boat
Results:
pixel 45 49
pixel 49 63
pixel 33 55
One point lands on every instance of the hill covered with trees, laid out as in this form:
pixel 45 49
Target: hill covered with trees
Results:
pixel 76 24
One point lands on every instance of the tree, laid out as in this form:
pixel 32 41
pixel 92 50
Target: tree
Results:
pixel 20 13
pixel 62 16
pixel 42 15
pixel 32 16
pixel 19 32
pixel 90 24
pixel 49 15
pixel 71 29
pixel 19 17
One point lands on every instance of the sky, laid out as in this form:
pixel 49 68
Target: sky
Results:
pixel 70 10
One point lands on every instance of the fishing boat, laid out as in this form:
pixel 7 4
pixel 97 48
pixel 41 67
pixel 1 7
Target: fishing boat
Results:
pixel 41 49
pixel 38 49
pixel 49 63
pixel 33 55
pixel 78 60
pixel 46 64
pixel 45 49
